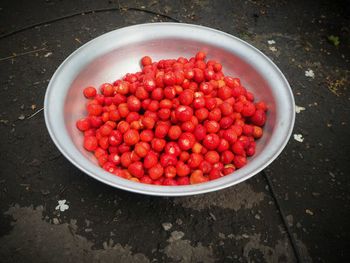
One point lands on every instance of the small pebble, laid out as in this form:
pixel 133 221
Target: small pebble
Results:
pixel 309 212
pixel 21 117
pixel 55 221
pixel 222 235
pixel 212 216
pixel 176 235
pixel 167 226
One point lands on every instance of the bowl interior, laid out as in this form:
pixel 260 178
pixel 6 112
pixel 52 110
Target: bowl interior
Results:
pixel 114 54
pixel 116 63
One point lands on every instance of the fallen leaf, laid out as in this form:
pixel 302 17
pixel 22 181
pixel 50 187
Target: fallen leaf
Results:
pixel 298 137
pixel 310 73
pixel 299 109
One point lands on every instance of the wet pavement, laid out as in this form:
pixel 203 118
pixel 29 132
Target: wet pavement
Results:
pixel 297 210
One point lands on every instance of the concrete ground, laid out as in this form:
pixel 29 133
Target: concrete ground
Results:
pixel 303 215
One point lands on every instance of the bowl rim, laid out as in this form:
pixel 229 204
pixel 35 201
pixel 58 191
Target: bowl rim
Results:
pixel 105 177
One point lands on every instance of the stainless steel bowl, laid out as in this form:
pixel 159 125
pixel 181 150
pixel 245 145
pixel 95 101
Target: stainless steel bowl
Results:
pixel 110 56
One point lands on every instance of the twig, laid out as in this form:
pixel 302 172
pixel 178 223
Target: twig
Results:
pixel 35 113
pixel 22 54
pixel 92 11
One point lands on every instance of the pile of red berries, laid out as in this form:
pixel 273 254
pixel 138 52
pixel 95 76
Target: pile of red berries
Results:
pixel 176 122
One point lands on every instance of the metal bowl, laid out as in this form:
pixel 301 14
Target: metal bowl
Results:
pixel 110 56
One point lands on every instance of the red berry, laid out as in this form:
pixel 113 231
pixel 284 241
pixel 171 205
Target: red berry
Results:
pixel 195 160
pixel 158 144
pixel 227 157
pixel 115 138
pixel 228 169
pixel 146 135
pixel 258 118
pixel 134 104
pixel 198 177
pixel 167 159
pixel 198 75
pixel 248 129
pixel 257 132
pixel 169 78
pixel 104 142
pixel 212 157
pixel 211 141
pixel 146 180
pixel 148 122
pixel 105 130
pixel 182 169
pixel 206 88
pixel 212 126
pixel 156 171
pixel 90 143
pixel 150 160
pixel 161 130
pixel 94 109
pixel 145 61
pixel 131 137
pixel 136 169
pixel 188 126
pixel 172 148
pixel 99 152
pixel 183 180
pixel 114 158
pixel 170 172
pixel 230 136
pixel 226 109
pixel 205 166
pixel 174 132
pixel 248 109
pixel 210 103
pixel 215 114
pixel 201 55
pixel 199 102
pixel 83 124
pixel 149 84
pixel 107 89
pixel 184 156
pixel 214 174
pixel 261 106
pixel 89 92
pixel 141 150
pixel 199 132
pixel 202 114
pixel 164 114
pixel 238 148
pixel 186 141
pixel 250 151
pixel 183 113
pixel 123 126
pixel 169 182
pixel 186 97
pixel 239 161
